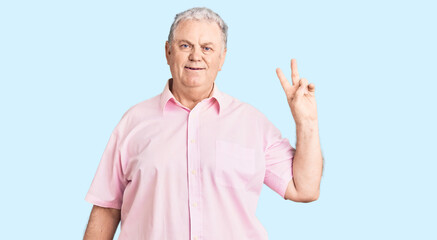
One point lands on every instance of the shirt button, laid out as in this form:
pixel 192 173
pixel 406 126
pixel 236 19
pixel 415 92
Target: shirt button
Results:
pixel 194 204
pixel 195 237
pixel 193 141
pixel 193 172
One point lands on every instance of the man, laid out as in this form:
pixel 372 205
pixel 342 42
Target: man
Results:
pixel 190 163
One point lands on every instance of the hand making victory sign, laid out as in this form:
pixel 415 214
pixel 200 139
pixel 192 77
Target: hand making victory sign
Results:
pixel 307 160
pixel 300 95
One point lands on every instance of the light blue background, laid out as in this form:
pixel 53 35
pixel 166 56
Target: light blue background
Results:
pixel 70 69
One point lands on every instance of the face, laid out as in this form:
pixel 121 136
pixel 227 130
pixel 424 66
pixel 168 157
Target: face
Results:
pixel 196 54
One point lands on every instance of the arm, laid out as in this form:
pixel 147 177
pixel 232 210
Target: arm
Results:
pixel 308 160
pixel 307 165
pixel 102 223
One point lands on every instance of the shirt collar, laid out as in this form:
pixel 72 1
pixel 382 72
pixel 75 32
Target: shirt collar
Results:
pixel 221 99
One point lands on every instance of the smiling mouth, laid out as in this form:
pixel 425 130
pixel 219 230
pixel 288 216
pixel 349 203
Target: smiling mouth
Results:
pixel 192 68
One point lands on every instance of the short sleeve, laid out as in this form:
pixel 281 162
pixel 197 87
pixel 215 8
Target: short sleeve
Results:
pixel 109 182
pixel 278 155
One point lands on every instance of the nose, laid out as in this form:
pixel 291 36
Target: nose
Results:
pixel 196 54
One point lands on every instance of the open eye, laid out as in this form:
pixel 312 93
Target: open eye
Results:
pixel 185 45
pixel 207 49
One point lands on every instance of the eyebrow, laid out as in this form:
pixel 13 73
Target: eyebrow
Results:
pixel 181 40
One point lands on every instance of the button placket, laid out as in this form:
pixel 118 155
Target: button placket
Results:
pixel 194 178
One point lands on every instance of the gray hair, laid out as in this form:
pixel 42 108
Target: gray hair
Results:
pixel 199 14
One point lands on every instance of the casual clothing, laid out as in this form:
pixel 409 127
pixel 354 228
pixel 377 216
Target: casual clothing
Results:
pixel 197 174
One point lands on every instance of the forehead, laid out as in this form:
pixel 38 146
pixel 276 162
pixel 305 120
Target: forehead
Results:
pixel 198 31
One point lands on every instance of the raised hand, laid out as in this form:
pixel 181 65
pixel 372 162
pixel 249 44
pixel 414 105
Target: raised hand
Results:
pixel 300 96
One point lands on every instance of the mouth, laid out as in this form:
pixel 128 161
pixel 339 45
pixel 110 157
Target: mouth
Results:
pixel 193 68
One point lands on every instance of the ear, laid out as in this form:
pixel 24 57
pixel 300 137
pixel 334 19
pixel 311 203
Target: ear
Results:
pixel 167 51
pixel 222 60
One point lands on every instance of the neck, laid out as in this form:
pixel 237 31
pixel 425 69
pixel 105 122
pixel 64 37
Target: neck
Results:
pixel 189 97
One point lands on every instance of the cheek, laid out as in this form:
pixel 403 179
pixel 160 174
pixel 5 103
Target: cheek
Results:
pixel 215 63
pixel 180 58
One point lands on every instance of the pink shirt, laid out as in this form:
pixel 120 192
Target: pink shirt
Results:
pixel 197 174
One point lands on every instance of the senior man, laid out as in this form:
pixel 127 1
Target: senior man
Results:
pixel 190 162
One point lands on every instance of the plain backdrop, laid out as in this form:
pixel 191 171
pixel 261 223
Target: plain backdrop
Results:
pixel 70 69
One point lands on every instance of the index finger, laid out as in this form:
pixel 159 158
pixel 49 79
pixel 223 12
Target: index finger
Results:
pixel 294 73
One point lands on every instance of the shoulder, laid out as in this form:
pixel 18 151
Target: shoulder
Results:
pixel 234 105
pixel 138 113
pixel 144 108
pixel 246 116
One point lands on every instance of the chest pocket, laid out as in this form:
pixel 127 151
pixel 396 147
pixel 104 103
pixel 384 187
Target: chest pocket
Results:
pixel 235 164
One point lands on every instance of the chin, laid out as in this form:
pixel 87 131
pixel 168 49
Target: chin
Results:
pixel 194 82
